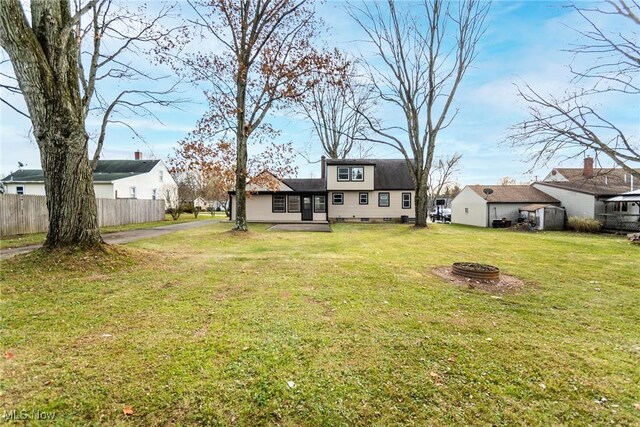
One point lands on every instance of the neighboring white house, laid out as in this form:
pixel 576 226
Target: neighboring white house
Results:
pixel 205 205
pixel 585 191
pixel 348 190
pixel 481 205
pixel 112 179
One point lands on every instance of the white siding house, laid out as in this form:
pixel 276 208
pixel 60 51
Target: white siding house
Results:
pixel 585 191
pixel 113 179
pixel 481 205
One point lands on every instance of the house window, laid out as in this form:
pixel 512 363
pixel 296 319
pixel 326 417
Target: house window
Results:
pixel 338 198
pixel 154 194
pixel 343 174
pixel 357 173
pixel 132 192
pixel 319 204
pixel 20 190
pixel 279 203
pixel 406 200
pixel 294 203
pixel 161 175
pixel 621 207
pixel 364 198
pixel 383 200
pixel 466 211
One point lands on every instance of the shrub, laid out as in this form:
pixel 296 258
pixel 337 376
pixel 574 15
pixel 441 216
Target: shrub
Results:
pixel 583 224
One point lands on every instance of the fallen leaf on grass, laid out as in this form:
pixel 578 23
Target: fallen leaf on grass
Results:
pixel 637 406
pixel 128 410
pixel 8 355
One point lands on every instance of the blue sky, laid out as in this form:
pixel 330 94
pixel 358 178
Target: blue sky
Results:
pixel 523 43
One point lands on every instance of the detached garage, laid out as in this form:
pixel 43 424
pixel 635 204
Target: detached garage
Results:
pixel 482 205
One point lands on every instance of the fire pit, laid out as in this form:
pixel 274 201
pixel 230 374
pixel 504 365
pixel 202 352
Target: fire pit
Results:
pixel 472 270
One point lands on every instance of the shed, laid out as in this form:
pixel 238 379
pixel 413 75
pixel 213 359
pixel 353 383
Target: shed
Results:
pixel 544 216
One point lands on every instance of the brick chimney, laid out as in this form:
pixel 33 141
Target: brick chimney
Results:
pixel 587 171
pixel 138 155
pixel 323 166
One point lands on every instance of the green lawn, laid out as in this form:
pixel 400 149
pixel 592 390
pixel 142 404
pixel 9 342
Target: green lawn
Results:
pixel 38 238
pixel 207 327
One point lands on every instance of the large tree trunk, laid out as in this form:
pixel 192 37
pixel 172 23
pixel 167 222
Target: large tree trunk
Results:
pixel 71 202
pixel 45 61
pixel 241 182
pixel 422 200
pixel 242 136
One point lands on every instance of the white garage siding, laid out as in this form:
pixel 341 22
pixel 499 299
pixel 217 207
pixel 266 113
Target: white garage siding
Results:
pixel 469 208
pixel 576 204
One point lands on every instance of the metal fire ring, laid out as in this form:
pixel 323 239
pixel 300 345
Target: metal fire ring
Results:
pixel 476 271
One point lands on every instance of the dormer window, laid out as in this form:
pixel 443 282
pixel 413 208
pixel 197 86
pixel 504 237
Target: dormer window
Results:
pixel 357 173
pixel 350 173
pixel 343 174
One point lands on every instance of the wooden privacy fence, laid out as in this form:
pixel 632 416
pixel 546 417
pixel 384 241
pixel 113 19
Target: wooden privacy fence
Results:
pixel 21 214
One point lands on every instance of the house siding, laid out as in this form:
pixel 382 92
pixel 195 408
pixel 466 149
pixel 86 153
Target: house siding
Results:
pixel 260 209
pixel 334 184
pixel 510 211
pixel 145 184
pixel 469 208
pixel 351 209
pixel 102 190
pixel 576 204
pixel 31 189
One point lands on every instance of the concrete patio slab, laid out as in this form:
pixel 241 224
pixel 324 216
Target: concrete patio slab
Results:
pixel 326 228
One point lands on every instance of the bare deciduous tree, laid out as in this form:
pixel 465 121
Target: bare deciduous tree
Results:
pixel 48 54
pixel 423 53
pixel 171 197
pixel 571 126
pixel 441 176
pixel 506 180
pixel 265 58
pixel 332 104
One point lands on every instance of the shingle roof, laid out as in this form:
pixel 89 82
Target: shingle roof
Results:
pixel 306 184
pixel 604 182
pixel 106 171
pixel 513 194
pixel 392 174
pixel 588 187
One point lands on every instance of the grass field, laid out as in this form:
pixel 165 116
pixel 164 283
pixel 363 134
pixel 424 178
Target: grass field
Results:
pixel 208 327
pixel 38 238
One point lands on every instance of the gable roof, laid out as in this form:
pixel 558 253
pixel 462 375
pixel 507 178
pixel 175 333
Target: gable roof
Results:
pixel 604 181
pixel 390 174
pixel 106 171
pixel 306 184
pixel 513 194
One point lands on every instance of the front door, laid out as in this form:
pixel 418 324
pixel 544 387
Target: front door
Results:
pixel 307 208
